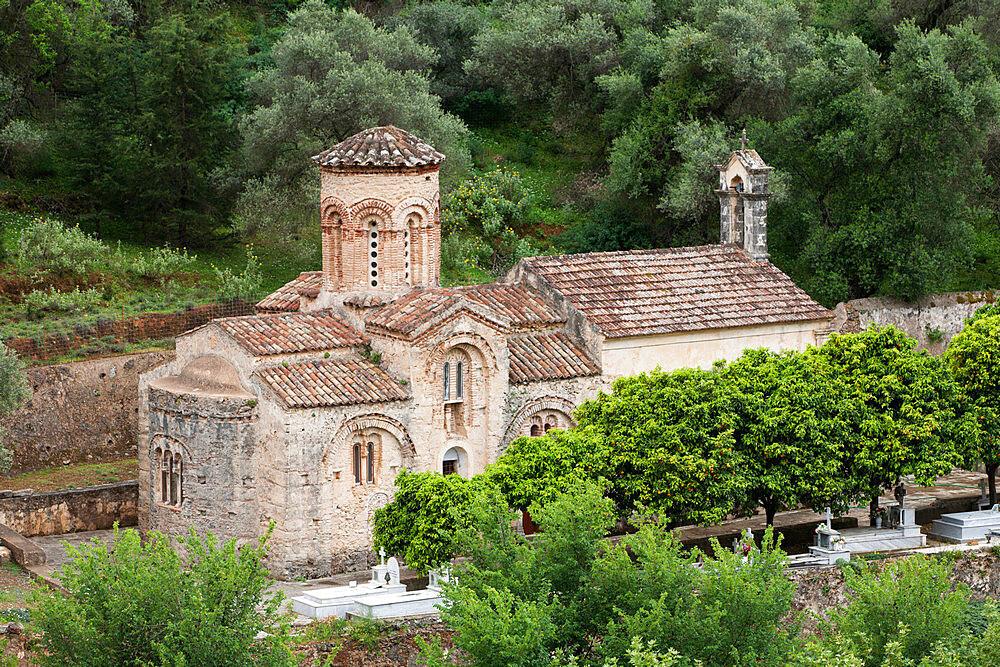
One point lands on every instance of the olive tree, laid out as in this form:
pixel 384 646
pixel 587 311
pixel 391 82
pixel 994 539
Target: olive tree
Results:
pixel 14 391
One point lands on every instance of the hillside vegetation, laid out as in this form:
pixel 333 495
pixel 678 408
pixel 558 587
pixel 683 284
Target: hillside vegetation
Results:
pixel 592 124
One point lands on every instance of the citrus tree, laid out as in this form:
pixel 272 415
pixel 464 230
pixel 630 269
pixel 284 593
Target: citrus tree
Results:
pixel 973 356
pixel 788 430
pixel 899 411
pixel 665 443
pixel 425 516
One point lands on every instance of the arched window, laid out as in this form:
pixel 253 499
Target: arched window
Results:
pixel 447 381
pixel 373 267
pixel 370 477
pixel 536 430
pixel 365 454
pixel 171 476
pixel 458 380
pixel 455 462
pixel 454 371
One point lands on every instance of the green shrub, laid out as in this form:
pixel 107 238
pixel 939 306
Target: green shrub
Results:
pixel 246 283
pixel 914 593
pixel 365 632
pixel 52 300
pixel 490 208
pixel 138 603
pixel 158 262
pixel 49 245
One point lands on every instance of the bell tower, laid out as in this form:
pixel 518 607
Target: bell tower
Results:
pixel 743 199
pixel 380 213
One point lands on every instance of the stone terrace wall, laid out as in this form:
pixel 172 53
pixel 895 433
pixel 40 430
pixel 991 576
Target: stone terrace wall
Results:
pixel 80 411
pixel 71 510
pixel 943 313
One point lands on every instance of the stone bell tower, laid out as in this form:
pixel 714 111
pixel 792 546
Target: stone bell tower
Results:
pixel 380 213
pixel 743 199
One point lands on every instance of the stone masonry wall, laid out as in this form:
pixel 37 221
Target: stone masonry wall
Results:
pixel 80 412
pixel 70 510
pixel 932 320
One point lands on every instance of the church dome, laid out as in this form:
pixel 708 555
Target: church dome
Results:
pixel 385 146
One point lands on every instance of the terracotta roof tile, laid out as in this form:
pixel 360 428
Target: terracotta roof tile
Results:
pixel 285 333
pixel 286 298
pixel 643 292
pixel 522 306
pixel 385 146
pixel 548 355
pixel 366 301
pixel 314 384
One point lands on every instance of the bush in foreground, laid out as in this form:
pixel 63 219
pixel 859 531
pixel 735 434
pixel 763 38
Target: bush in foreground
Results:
pixel 134 603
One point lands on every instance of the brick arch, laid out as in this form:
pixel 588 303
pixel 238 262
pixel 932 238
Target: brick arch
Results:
pixel 471 339
pixel 367 207
pixel 172 443
pixel 371 420
pixel 554 403
pixel 331 205
pixel 413 205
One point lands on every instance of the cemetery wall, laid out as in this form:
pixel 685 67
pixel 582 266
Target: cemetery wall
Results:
pixel 70 510
pixel 931 320
pixel 79 412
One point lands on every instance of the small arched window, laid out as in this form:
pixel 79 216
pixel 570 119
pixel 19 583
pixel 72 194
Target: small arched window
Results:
pixel 458 380
pixel 370 476
pixel 536 430
pixel 447 381
pixel 373 265
pixel 171 476
pixel 365 455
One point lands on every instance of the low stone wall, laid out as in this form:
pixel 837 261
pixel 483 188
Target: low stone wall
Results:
pixel 932 320
pixel 79 412
pixel 70 510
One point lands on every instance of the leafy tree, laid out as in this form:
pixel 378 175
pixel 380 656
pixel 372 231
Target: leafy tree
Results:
pixel 914 593
pixel 138 603
pixel 855 144
pixel 973 356
pixel 667 445
pixel 510 603
pixel 334 74
pixel 790 431
pixel 536 470
pixel 425 517
pixel 899 411
pixel 449 27
pixel 188 64
pixel 14 391
pixel 733 611
pixel 548 51
pixel 493 212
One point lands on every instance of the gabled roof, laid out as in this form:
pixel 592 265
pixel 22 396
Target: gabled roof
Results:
pixel 645 292
pixel 548 355
pixel 314 384
pixel 385 146
pixel 287 333
pixel 509 306
pixel 286 297
pixel 750 159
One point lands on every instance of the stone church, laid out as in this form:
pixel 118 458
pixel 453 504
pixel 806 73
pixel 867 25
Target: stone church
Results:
pixel 304 413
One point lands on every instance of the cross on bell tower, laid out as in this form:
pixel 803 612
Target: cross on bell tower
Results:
pixel 743 199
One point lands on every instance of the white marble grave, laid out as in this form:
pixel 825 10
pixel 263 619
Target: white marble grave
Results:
pixel 395 605
pixel 964 526
pixel 339 601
